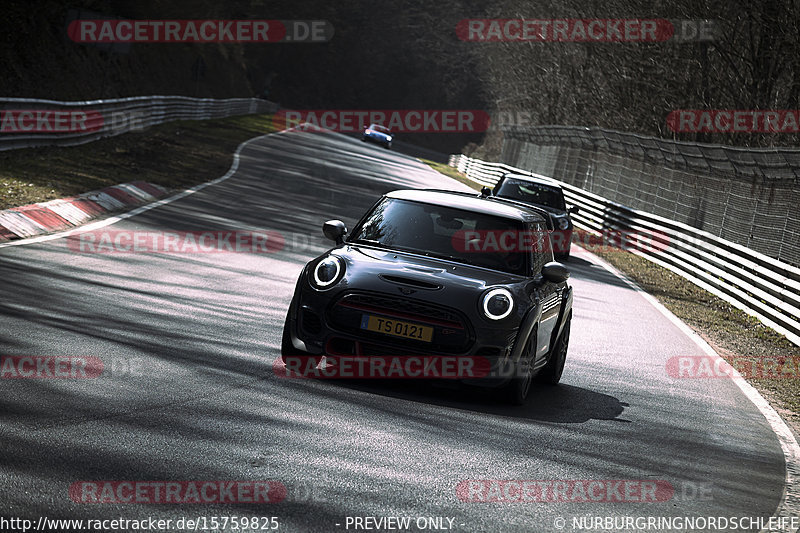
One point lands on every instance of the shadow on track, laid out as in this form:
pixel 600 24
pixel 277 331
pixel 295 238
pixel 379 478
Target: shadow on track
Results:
pixel 563 404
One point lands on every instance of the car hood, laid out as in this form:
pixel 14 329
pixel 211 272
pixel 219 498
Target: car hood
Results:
pixel 367 265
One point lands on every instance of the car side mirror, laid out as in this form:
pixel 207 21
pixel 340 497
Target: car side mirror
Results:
pixel 485 192
pixel 335 230
pixel 555 272
pixel 574 209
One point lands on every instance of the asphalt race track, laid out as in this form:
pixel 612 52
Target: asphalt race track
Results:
pixel 188 343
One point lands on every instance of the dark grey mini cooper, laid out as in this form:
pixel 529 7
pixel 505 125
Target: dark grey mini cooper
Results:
pixel 438 274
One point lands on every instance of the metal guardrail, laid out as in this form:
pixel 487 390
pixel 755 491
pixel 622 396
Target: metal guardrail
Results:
pixel 748 196
pixel 759 285
pixel 26 123
pixel 767 163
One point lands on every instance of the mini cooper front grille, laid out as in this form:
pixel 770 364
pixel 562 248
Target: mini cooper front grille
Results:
pixel 452 332
pixel 412 308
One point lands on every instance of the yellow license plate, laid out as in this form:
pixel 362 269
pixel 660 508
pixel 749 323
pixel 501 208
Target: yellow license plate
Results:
pixel 397 328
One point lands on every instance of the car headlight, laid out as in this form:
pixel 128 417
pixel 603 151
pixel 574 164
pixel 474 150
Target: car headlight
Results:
pixel 389 138
pixel 327 272
pixel 563 223
pixel 498 303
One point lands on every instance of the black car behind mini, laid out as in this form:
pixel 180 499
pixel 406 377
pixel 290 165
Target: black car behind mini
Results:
pixel 547 194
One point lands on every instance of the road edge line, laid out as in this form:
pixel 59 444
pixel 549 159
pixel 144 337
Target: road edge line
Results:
pixel 117 218
pixel 789 504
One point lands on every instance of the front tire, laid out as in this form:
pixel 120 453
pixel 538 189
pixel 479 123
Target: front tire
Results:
pixel 551 373
pixel 520 387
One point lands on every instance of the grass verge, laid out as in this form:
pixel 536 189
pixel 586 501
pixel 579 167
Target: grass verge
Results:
pixel 451 172
pixel 174 155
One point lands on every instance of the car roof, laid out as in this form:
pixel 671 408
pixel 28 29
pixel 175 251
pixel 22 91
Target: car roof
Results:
pixel 544 180
pixel 470 202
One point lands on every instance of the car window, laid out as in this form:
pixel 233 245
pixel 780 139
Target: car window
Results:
pixel 460 235
pixel 379 128
pixel 542 251
pixel 535 193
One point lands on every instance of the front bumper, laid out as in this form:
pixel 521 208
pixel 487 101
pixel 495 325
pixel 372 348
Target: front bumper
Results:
pixel 320 325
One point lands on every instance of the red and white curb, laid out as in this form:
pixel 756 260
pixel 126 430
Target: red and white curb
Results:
pixel 58 215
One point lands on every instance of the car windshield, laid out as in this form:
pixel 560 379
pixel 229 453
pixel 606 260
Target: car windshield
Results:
pixel 379 128
pixel 533 193
pixel 459 235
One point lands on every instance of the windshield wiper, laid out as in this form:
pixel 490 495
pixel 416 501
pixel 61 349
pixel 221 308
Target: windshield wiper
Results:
pixel 371 242
pixel 454 258
pixel 395 248
pixel 426 253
